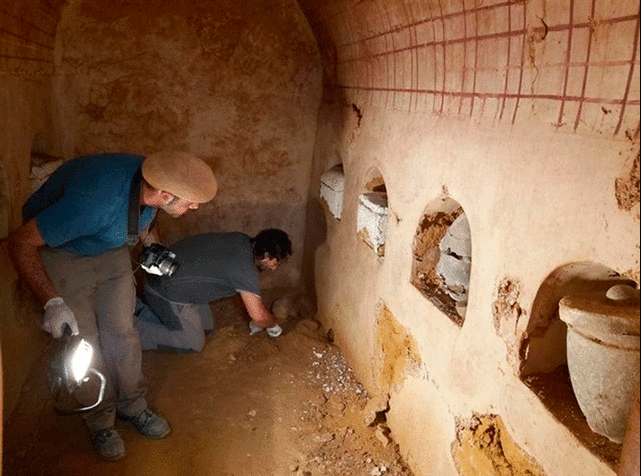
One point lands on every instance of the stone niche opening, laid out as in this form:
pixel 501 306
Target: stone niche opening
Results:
pixel 331 190
pixel 442 258
pixel 371 214
pixel 544 350
pixel 42 166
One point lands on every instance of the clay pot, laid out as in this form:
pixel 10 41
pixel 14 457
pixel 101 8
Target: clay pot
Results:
pixel 603 355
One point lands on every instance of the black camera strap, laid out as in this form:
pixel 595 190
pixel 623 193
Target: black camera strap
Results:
pixel 133 213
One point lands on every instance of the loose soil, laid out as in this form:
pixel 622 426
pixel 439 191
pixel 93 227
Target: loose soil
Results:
pixel 244 406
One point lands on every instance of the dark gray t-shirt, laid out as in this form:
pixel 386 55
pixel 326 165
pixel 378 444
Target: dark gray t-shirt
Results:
pixel 212 266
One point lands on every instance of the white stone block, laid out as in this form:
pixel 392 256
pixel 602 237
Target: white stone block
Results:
pixel 457 241
pixel 331 190
pixel 40 174
pixel 455 274
pixel 455 262
pixel 371 220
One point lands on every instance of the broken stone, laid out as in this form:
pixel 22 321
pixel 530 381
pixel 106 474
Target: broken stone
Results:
pixel 379 471
pixel 324 438
pixel 382 434
pixel 375 406
pixel 291 306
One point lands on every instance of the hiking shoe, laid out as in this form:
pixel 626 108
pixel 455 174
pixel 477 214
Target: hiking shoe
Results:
pixel 108 444
pixel 150 424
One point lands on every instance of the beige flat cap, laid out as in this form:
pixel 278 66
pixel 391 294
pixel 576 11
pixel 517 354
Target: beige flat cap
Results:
pixel 181 174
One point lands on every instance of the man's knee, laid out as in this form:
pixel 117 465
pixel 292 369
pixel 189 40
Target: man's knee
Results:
pixel 197 343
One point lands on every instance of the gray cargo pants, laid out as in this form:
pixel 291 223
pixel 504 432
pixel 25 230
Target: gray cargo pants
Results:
pixel 101 293
pixel 172 326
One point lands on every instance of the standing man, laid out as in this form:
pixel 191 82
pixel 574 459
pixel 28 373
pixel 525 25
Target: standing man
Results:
pixel 213 266
pixel 72 251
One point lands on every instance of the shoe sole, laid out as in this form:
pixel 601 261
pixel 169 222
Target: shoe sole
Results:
pixel 128 420
pixel 154 437
pixel 112 458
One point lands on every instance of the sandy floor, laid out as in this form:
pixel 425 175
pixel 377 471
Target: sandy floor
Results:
pixel 245 406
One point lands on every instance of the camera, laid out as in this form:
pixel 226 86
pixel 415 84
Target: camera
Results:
pixel 158 260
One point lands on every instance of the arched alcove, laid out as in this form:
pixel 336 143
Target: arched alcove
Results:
pixel 42 166
pixel 442 258
pixel 546 333
pixel 371 214
pixel 544 368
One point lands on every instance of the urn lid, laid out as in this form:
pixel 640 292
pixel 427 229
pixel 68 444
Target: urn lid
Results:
pixel 613 312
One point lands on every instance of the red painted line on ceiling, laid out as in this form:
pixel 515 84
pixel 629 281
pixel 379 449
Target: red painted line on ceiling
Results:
pixel 630 74
pixel 586 67
pixel 568 55
pixel 27 41
pixel 501 34
pixel 553 97
pixel 522 57
pixel 25 58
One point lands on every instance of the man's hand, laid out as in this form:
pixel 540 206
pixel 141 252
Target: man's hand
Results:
pixel 274 331
pixel 57 314
pixel 257 311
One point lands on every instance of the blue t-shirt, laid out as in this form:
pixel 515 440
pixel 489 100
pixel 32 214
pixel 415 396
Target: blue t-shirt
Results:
pixel 212 266
pixel 83 206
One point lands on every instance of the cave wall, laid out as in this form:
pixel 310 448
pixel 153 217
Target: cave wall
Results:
pixel 221 79
pixel 526 116
pixel 27 40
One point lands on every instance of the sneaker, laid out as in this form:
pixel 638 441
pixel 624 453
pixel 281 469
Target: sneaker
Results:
pixel 150 424
pixel 108 444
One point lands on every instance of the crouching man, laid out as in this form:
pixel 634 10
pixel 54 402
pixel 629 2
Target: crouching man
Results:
pixel 176 313
pixel 72 251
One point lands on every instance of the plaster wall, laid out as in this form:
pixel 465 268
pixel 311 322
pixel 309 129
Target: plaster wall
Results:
pixel 521 114
pixel 26 125
pixel 526 114
pixel 221 79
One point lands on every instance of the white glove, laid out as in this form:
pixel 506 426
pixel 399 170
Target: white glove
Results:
pixel 57 314
pixel 273 331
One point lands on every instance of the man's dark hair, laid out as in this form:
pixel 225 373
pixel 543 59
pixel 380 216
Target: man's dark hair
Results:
pixel 275 243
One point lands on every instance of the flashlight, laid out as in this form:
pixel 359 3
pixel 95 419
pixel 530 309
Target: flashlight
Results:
pixel 70 372
pixel 80 360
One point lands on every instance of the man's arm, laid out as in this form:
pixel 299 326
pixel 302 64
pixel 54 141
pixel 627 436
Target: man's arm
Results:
pixel 257 310
pixel 22 246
